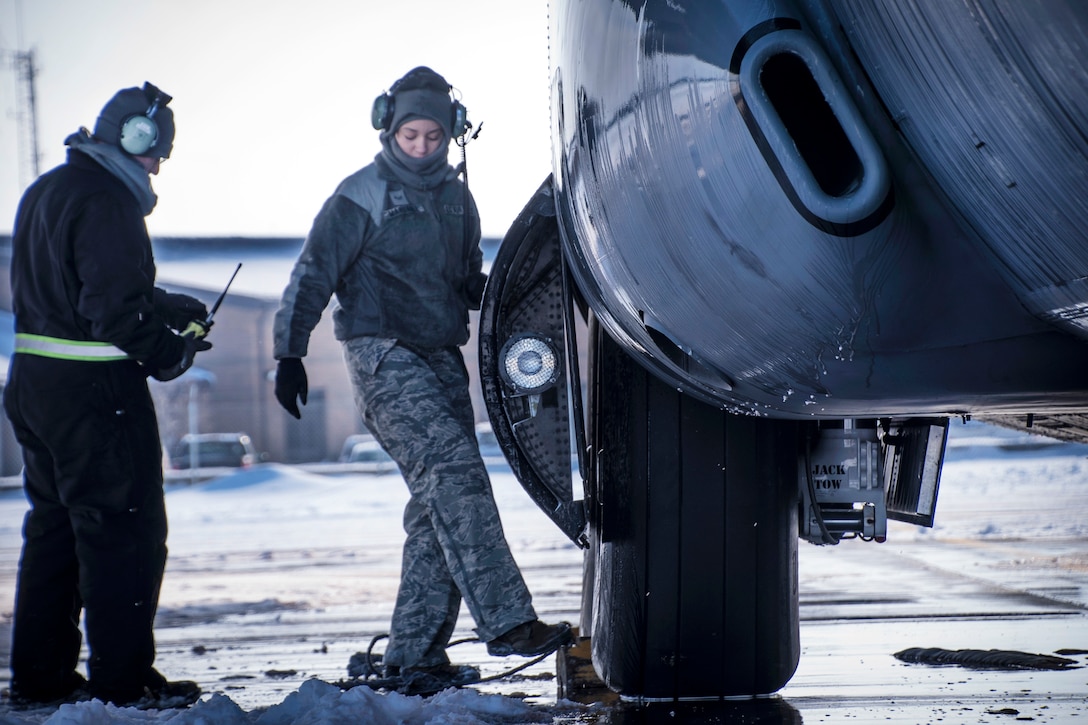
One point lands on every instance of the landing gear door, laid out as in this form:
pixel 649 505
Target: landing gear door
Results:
pixel 524 362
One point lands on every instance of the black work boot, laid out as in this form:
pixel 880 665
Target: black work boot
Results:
pixel 157 693
pixel 429 680
pixel 72 688
pixel 531 639
pixel 168 695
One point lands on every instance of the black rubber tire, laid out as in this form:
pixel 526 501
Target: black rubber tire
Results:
pixel 693 540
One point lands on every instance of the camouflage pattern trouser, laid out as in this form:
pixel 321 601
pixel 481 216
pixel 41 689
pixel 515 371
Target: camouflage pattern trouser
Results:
pixel 417 404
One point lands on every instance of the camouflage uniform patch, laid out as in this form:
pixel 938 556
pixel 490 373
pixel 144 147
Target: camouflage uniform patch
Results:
pixel 417 404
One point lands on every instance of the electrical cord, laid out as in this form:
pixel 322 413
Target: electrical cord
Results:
pixel 370 675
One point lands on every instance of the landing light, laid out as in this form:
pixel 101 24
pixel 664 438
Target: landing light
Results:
pixel 529 364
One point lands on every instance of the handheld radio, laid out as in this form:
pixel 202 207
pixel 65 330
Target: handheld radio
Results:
pixel 199 328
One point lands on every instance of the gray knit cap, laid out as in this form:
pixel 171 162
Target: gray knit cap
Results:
pixel 422 103
pixel 422 93
pixel 135 102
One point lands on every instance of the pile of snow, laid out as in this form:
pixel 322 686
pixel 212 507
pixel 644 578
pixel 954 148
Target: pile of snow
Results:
pixel 315 703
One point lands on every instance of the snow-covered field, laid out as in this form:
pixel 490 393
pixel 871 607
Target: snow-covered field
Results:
pixel 277 576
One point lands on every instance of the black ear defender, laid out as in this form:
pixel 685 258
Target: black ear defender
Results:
pixel 459 124
pixel 381 113
pixel 139 132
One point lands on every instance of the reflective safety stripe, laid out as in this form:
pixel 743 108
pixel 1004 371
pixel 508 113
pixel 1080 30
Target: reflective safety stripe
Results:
pixel 68 349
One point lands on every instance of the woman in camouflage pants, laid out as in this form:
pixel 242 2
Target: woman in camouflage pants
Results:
pixel 391 243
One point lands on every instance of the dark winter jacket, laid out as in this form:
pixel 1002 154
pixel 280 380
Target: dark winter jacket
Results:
pixel 396 258
pixel 82 266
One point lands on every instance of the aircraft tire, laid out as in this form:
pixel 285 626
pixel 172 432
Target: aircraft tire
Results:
pixel 693 540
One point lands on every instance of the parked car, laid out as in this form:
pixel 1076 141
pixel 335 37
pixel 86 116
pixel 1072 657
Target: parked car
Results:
pixel 350 442
pixel 205 450
pixel 370 457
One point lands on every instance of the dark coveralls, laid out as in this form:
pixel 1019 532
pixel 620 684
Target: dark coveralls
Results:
pixel 404 274
pixel 82 280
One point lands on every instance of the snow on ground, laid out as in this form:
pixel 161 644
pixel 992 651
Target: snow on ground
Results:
pixel 273 553
pixel 316 703
pixel 252 549
pixel 1003 484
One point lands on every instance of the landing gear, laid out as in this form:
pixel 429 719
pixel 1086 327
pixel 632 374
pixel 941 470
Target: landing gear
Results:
pixel 689 514
pixel 693 540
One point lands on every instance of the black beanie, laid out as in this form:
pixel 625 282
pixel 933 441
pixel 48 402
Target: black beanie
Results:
pixel 136 102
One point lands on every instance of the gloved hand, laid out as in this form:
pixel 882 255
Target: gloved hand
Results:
pixel 193 345
pixel 474 290
pixel 291 383
pixel 179 310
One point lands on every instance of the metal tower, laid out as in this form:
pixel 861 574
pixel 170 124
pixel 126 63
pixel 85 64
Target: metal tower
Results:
pixel 27 116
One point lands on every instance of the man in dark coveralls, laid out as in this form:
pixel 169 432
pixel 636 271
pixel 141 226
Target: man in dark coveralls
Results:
pixel 90 327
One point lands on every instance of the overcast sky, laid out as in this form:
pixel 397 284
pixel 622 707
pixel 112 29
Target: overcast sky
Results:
pixel 272 98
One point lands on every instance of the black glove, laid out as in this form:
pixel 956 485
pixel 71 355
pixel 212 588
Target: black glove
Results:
pixel 474 290
pixel 193 345
pixel 177 309
pixel 291 383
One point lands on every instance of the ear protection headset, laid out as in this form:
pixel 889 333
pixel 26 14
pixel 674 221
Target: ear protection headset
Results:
pixel 381 113
pixel 139 132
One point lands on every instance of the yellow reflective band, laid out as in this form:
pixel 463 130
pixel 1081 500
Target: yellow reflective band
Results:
pixel 61 349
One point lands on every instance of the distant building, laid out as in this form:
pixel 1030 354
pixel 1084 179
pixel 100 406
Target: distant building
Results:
pixel 231 387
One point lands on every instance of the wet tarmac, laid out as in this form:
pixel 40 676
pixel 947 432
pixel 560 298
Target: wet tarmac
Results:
pixel 1006 568
pixel 269 585
pixel 950 596
pixel 947 595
